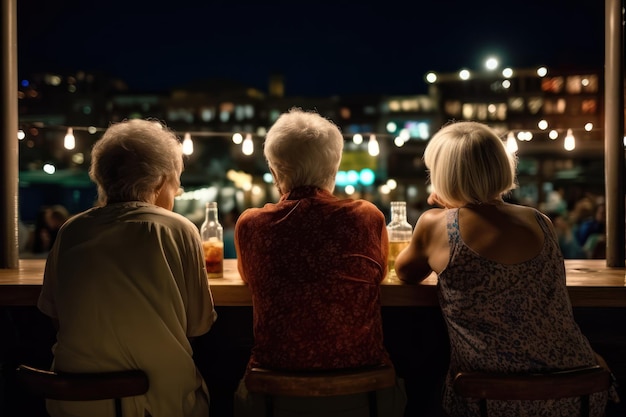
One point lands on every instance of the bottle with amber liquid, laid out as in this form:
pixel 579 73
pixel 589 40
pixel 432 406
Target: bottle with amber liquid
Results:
pixel 212 235
pixel 399 231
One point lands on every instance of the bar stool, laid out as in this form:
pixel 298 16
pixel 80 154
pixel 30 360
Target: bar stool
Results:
pixel 320 384
pixel 579 382
pixel 94 386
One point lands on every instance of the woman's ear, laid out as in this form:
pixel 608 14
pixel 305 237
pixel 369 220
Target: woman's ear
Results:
pixel 276 180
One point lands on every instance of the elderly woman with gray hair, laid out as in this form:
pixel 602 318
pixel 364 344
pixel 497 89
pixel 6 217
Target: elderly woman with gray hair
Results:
pixel 314 264
pixel 125 281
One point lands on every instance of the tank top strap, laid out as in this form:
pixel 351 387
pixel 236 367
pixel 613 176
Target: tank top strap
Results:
pixel 454 234
pixel 545 227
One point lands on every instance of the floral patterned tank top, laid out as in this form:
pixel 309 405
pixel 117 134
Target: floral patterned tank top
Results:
pixel 510 318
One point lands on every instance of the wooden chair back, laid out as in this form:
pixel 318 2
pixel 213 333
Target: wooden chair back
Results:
pixel 579 382
pixel 94 386
pixel 320 383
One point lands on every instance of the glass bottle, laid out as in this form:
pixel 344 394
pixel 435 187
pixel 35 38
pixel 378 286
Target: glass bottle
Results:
pixel 212 235
pixel 399 231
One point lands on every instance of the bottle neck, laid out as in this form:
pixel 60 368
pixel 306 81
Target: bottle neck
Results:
pixel 211 213
pixel 398 213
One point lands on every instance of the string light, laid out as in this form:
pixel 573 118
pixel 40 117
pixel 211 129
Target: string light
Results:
pixel 69 142
pixel 187 144
pixel 372 146
pixel 570 142
pixel 248 145
pixel 511 143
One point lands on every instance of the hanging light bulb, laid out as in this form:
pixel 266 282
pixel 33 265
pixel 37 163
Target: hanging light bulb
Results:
pixel 69 142
pixel 237 138
pixel 357 139
pixel 372 146
pixel 248 146
pixel 570 141
pixel 511 143
pixel 187 144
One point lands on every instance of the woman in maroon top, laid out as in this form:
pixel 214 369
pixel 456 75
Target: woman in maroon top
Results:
pixel 314 264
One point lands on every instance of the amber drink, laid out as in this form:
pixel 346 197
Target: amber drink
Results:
pixel 214 257
pixel 213 242
pixel 399 231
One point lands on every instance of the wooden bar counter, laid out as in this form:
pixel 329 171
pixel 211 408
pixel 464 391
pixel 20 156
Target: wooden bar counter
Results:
pixel 590 284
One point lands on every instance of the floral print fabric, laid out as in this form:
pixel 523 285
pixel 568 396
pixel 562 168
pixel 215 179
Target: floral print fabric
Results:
pixel 314 264
pixel 510 318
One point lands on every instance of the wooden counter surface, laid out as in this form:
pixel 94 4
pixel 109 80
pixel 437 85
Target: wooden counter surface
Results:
pixel 590 284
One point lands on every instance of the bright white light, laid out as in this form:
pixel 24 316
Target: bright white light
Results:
pixel 267 178
pixel 588 126
pixel 431 77
pixel 506 84
pixel 92 129
pixel 464 74
pixel 372 146
pixel 392 184
pixel 524 136
pixel 20 134
pixel 570 142
pixel 398 141
pixel 511 143
pixel 384 189
pixel 507 72
pixel 237 138
pixel 543 124
pixel 585 82
pixel 352 176
pixel 49 169
pixel 349 189
pixel 357 139
pixel 553 134
pixel 491 63
pixel 187 144
pixel 391 127
pixel 69 142
pixel 542 71
pixel 247 148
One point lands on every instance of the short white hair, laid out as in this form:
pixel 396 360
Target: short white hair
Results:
pixel 132 158
pixel 304 148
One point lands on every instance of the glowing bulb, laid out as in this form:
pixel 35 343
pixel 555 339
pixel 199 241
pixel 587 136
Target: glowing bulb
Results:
pixel 237 138
pixel 553 134
pixel 20 134
pixel 357 139
pixel 589 127
pixel 372 146
pixel 464 74
pixel 431 77
pixel 570 141
pixel 69 142
pixel 511 143
pixel 187 144
pixel 491 63
pixel 543 124
pixel 248 146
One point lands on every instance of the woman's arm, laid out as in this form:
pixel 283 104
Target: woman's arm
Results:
pixel 412 264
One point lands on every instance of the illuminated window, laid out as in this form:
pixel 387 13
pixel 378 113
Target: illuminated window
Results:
pixel 574 85
pixel 516 104
pixel 552 84
pixel 535 104
pixel 589 84
pixel 589 106
pixel 452 108
pixel 469 111
pixel 554 106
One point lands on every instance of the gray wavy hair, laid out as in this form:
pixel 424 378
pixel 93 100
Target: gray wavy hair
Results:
pixel 133 158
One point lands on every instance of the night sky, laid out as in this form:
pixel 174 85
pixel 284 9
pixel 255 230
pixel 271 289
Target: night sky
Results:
pixel 321 49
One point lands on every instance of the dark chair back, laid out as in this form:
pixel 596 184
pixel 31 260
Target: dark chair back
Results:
pixel 67 386
pixel 320 384
pixel 580 382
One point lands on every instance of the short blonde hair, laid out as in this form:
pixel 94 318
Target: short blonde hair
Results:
pixel 304 148
pixel 469 163
pixel 133 158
